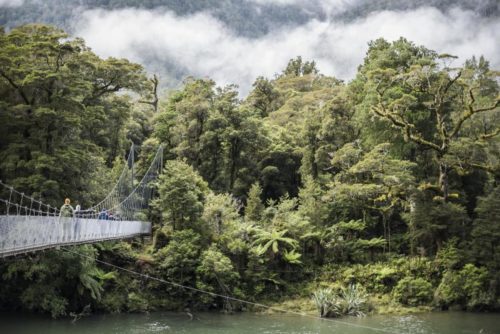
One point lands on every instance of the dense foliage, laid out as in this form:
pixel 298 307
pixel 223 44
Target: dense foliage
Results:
pixel 61 121
pixel 386 185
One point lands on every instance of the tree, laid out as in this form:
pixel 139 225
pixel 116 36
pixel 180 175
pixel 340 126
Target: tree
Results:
pixel 448 98
pixel 59 111
pixel 372 182
pixel 269 242
pixel 222 140
pixel 279 171
pixel 325 130
pixel 53 282
pixel 296 67
pixel 264 97
pixel 254 207
pixel 220 212
pixel 180 258
pixel 153 101
pixel 312 203
pixel 217 274
pixel 345 240
pixel 393 176
pixel 486 230
pixel 242 140
pixel 431 222
pixel 182 193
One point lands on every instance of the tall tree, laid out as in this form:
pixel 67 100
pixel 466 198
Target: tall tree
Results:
pixel 449 98
pixel 182 194
pixel 254 207
pixel 486 231
pixel 59 110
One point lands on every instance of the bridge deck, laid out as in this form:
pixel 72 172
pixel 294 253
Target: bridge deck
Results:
pixel 21 234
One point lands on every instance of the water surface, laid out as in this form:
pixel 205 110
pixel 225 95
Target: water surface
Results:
pixel 242 323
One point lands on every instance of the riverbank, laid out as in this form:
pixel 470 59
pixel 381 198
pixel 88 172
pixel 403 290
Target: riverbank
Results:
pixel 378 305
pixel 398 285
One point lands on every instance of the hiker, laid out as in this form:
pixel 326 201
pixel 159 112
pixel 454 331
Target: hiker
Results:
pixel 78 208
pixel 67 210
pixel 103 215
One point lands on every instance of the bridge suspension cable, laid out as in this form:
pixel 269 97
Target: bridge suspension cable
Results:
pixel 27 224
pixel 125 200
pixel 140 196
pixel 229 297
pixel 120 190
pixel 17 203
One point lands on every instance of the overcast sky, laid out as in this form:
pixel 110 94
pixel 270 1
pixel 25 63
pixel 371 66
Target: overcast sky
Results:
pixel 10 3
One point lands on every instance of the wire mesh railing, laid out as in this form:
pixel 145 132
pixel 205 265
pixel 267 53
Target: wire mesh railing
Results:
pixel 13 202
pixel 125 202
pixel 139 198
pixel 29 224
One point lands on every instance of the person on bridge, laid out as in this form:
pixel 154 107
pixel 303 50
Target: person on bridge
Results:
pixel 67 210
pixel 103 215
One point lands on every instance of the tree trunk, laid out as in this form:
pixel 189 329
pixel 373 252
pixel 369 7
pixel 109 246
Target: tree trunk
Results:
pixel 384 224
pixel 234 152
pixel 413 206
pixel 389 235
pixel 443 180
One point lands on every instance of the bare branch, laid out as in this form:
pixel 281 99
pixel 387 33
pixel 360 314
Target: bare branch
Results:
pixel 154 102
pixel 451 82
pixel 490 135
pixel 401 123
pixel 16 87
pixel 486 168
pixel 471 112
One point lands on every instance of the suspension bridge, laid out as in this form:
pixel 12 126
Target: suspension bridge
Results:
pixel 28 224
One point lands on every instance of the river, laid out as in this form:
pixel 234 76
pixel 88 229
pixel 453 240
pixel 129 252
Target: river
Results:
pixel 206 323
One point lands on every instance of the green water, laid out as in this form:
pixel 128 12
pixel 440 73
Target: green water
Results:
pixel 206 323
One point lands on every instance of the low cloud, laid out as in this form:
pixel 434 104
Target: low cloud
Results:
pixel 11 3
pixel 328 6
pixel 276 2
pixel 205 47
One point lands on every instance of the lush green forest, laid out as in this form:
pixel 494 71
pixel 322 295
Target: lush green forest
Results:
pixel 386 187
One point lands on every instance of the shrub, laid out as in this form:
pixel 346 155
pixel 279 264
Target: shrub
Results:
pixel 216 274
pixel 413 291
pixel 467 288
pixel 416 267
pixel 348 301
pixel 449 257
pixel 137 303
pixel 352 301
pixel 383 277
pixel 179 259
pixel 323 299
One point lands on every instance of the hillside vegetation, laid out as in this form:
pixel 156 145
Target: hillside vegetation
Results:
pixel 385 187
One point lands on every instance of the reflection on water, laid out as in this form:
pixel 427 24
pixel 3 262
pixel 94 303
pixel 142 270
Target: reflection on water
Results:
pixel 207 323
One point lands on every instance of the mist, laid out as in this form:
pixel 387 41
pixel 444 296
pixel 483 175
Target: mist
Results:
pixel 11 3
pixel 200 45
